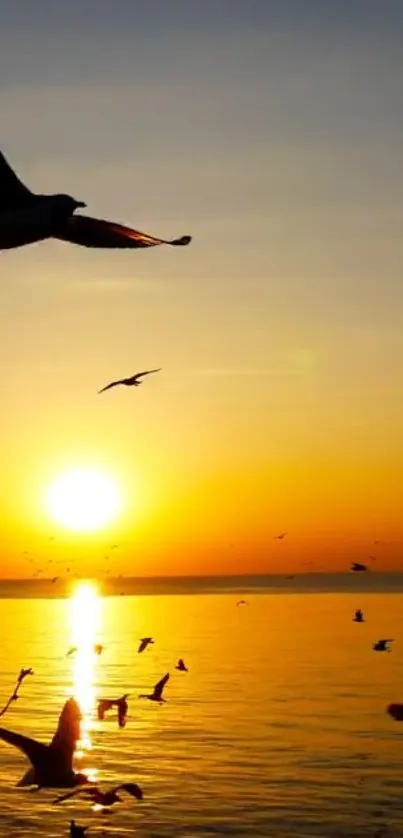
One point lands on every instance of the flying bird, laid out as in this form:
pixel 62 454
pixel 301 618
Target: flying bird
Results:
pixel 134 381
pixel 106 704
pixel 26 217
pixel 358 616
pixel 156 695
pixel 77 831
pixel 181 666
pixel 356 567
pixel 104 798
pixel 279 537
pixel 242 602
pixel 396 711
pixel 51 765
pixel 144 642
pixel 97 648
pixel 382 645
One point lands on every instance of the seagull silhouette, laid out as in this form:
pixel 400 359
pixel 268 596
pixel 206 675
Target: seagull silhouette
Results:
pixel 382 645
pixel 134 381
pixel 97 648
pixel 52 765
pixel 106 704
pixel 356 567
pixel 358 616
pixel 104 798
pixel 26 218
pixel 144 642
pixel 156 695
pixel 181 666
pixel 77 831
pixel 279 537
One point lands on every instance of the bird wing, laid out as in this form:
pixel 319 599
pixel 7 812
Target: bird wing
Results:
pixel 103 706
pixel 146 372
pixel 160 686
pixel 96 232
pixel 35 751
pixel 143 645
pixel 131 788
pixel 108 386
pixel 68 732
pixel 88 792
pixel 12 190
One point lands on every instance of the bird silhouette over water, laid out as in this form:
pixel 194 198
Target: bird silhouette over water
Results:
pixel 396 711
pixel 97 648
pixel 26 217
pixel 51 765
pixel 181 666
pixel 77 831
pixel 104 798
pixel 106 704
pixel 382 645
pixel 144 642
pixel 279 537
pixel 356 567
pixel 358 616
pixel 134 381
pixel 156 695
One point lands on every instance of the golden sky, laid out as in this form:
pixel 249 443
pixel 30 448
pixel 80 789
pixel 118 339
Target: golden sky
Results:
pixel 275 140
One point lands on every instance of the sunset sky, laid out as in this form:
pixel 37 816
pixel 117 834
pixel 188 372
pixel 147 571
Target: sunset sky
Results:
pixel 271 132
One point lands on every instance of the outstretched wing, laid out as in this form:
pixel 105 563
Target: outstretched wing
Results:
pixel 68 732
pixel 96 232
pixel 108 386
pixel 103 706
pixel 88 792
pixel 160 686
pixel 143 645
pixel 131 788
pixel 35 751
pixel 146 372
pixel 12 190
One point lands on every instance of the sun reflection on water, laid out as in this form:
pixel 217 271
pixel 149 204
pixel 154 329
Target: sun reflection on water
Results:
pixel 85 614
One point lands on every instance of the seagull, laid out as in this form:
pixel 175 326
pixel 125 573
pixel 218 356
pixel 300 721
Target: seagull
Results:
pixel 144 642
pixel 134 381
pixel 279 537
pixel 51 765
pixel 98 648
pixel 358 616
pixel 106 704
pixel 242 602
pixel 26 218
pixel 157 694
pixel 356 567
pixel 104 798
pixel 382 645
pixel 77 831
pixel 181 666
pixel 396 711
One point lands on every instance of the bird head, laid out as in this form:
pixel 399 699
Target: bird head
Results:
pixel 68 204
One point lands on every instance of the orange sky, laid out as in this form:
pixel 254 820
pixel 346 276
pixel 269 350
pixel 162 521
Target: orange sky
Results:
pixel 279 330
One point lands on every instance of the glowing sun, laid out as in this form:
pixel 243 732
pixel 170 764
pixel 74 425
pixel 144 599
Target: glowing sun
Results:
pixel 83 499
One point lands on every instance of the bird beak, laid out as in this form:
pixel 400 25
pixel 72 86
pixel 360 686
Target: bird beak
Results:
pixel 80 204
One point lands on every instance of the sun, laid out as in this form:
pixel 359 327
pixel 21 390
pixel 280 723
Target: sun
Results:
pixel 83 499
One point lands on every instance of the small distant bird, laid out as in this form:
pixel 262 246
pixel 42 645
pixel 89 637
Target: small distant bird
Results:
pixel 51 765
pixel 144 642
pixel 181 665
pixel 242 602
pixel 55 578
pixel 106 704
pixel 134 381
pixel 156 695
pixel 358 616
pixel 104 798
pixel 373 558
pixel 356 567
pixel 77 831
pixel 26 217
pixel 279 537
pixel 382 645
pixel 396 711
pixel 98 648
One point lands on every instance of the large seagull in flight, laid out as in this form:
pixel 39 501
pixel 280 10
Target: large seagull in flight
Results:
pixel 26 218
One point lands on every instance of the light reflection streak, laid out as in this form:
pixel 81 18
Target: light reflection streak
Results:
pixel 85 620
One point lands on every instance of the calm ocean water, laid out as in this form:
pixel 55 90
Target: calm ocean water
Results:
pixel 279 728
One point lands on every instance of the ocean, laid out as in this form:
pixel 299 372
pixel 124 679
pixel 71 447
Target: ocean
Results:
pixel 279 728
